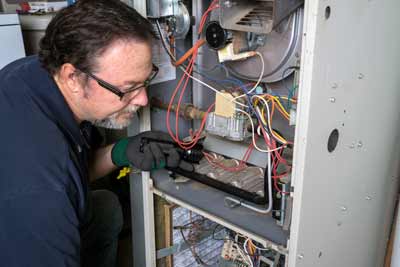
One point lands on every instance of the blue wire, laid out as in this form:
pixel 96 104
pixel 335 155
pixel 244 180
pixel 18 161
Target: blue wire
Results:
pixel 234 81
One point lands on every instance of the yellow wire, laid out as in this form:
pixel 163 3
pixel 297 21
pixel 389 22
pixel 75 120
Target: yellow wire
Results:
pixel 270 122
pixel 280 105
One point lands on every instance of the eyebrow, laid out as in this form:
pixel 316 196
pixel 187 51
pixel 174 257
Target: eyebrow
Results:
pixel 134 82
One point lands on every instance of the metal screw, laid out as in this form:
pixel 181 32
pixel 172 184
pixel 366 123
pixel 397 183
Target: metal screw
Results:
pixel 352 146
pixel 260 41
pixel 343 208
pixel 368 198
pixel 300 256
pixel 332 99
pixel 334 86
pixel 360 76
pixel 360 144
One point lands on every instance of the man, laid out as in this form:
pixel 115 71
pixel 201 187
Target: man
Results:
pixel 93 67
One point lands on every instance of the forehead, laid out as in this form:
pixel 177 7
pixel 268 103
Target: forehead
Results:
pixel 129 60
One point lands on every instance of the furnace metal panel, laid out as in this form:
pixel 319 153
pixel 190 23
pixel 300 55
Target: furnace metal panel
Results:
pixel 343 200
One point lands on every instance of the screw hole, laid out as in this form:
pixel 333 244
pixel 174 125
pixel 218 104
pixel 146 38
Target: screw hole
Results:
pixel 327 12
pixel 333 140
pixel 344 111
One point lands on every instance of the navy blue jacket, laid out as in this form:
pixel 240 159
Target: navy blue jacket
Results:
pixel 43 170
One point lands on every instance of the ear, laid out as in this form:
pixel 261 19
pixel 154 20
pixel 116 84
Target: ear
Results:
pixel 68 76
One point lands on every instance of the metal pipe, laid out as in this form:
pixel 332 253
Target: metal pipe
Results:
pixel 188 111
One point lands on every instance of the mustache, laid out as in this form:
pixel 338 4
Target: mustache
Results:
pixel 112 122
pixel 129 109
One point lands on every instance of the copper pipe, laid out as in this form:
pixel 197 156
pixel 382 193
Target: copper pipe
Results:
pixel 187 110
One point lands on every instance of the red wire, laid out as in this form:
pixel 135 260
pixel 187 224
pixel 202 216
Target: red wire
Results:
pixel 197 134
pixel 278 189
pixel 175 137
pixel 214 5
pixel 170 106
pixel 189 70
pixel 242 164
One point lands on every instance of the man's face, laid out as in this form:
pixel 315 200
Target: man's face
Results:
pixel 125 64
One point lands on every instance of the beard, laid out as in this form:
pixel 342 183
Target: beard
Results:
pixel 118 120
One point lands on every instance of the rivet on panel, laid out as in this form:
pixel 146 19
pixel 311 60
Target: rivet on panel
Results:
pixel 368 198
pixel 352 146
pixel 334 86
pixel 360 76
pixel 360 144
pixel 343 208
pixel 300 256
pixel 332 100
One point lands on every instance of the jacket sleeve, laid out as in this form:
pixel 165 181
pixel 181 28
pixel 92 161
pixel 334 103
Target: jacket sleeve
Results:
pixel 39 229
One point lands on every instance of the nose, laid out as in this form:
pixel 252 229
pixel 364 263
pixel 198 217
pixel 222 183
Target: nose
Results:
pixel 140 99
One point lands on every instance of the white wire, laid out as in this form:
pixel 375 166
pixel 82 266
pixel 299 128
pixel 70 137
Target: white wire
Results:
pixel 270 204
pixel 247 253
pixel 253 134
pixel 262 249
pixel 269 168
pixel 189 75
pixel 242 255
pixel 215 90
pixel 259 79
pixel 268 117
pixel 252 127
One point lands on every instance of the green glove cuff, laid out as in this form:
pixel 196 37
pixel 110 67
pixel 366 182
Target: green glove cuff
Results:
pixel 118 153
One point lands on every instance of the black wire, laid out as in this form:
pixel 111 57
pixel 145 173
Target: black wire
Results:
pixel 192 250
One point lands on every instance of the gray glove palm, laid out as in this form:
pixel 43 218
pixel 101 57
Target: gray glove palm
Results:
pixel 146 151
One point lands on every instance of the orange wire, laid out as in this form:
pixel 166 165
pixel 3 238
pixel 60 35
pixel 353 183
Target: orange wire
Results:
pixel 172 41
pixel 188 53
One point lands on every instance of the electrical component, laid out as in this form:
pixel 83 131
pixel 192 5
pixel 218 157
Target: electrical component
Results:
pixel 248 16
pixel 281 48
pixel 216 36
pixel 175 14
pixel 180 22
pixel 225 121
pixel 233 128
pixel 231 252
pixel 228 54
pixel 224 105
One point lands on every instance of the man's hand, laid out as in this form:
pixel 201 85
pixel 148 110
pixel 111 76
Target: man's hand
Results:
pixel 146 151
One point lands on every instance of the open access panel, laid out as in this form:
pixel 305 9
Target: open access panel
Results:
pixel 295 106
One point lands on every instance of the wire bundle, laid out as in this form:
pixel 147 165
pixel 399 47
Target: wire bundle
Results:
pixel 241 164
pixel 261 106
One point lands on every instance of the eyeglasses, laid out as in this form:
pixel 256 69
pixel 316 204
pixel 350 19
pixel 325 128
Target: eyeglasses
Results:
pixel 119 92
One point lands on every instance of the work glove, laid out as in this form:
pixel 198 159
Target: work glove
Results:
pixel 146 151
